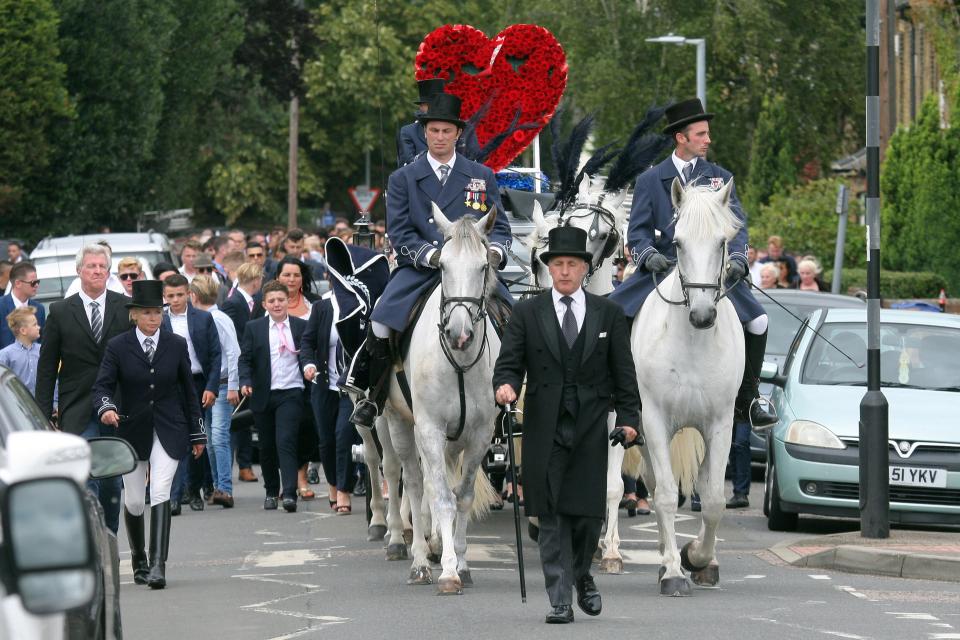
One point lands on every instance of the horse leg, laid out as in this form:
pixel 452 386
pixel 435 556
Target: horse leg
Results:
pixel 612 561
pixel 403 441
pixel 396 545
pixel 699 556
pixel 430 437
pixel 377 528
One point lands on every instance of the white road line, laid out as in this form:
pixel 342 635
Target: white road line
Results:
pixel 819 576
pixel 912 616
pixel 828 632
pixel 943 625
pixel 853 591
pixel 288 558
pixel 268 603
pixel 305 616
pixel 278 581
pixel 944 636
pixel 754 577
pixel 273 575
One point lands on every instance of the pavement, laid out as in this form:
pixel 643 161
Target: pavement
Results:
pixel 907 553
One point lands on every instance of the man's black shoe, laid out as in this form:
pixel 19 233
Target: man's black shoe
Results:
pixel 738 501
pixel 289 505
pixel 760 417
pixel 196 502
pixel 364 413
pixel 588 598
pixel 695 502
pixel 313 476
pixel 560 615
pixel 270 503
pixel 360 490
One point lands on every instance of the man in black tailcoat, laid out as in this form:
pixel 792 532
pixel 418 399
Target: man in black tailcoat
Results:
pixel 574 348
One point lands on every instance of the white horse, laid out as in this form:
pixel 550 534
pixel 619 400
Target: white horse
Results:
pixel 687 345
pixel 601 214
pixel 443 440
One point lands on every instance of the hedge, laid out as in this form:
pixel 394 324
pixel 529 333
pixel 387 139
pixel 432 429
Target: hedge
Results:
pixel 893 284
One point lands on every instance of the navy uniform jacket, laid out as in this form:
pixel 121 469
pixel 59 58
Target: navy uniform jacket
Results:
pixel 411 191
pixel 255 365
pixel 6 306
pixel 206 344
pixel 154 396
pixel 411 142
pixel 652 211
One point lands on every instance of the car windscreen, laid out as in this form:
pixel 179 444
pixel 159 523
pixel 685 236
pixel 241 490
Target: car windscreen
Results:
pixel 18 410
pixel 782 326
pixel 911 355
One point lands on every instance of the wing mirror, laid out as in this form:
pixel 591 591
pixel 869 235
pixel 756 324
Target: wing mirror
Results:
pixel 111 457
pixel 770 372
pixel 47 551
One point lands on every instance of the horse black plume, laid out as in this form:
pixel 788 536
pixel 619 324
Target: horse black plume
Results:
pixel 567 158
pixel 470 146
pixel 597 161
pixel 641 150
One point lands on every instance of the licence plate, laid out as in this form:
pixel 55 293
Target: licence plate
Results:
pixel 917 476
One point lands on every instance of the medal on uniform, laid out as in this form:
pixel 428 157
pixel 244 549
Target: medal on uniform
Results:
pixel 476 201
pixel 483 202
pixel 466 197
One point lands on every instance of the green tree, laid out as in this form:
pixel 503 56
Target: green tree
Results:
pixel 773 166
pixel 32 94
pixel 804 216
pixel 920 231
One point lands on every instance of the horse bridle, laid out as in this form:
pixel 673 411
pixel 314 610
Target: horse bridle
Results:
pixel 600 213
pixel 685 286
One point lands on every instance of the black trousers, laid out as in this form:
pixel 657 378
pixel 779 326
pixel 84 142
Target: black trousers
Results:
pixel 279 429
pixel 567 542
pixel 337 436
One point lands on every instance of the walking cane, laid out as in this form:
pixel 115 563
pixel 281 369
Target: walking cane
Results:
pixel 508 416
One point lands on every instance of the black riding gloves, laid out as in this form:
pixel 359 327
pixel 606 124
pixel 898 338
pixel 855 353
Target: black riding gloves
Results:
pixel 619 436
pixel 435 259
pixel 736 270
pixel 657 263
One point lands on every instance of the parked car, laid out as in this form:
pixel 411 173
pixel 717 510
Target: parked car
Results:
pixel 781 329
pixel 59 574
pixel 151 247
pixel 813 451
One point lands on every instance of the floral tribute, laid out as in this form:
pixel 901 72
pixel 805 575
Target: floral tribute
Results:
pixel 523 67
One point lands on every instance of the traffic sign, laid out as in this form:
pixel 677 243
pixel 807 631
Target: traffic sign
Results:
pixel 364 197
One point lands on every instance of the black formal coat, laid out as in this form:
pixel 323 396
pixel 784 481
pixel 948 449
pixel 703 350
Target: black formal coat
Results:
pixel 153 396
pixel 605 381
pixel 69 352
pixel 255 365
pixel 315 346
pixel 237 310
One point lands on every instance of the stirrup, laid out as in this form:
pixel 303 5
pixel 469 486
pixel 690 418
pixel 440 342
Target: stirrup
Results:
pixel 364 414
pixel 765 426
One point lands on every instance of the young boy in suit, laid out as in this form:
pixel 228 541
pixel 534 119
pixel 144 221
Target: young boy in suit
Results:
pixel 270 376
pixel 22 355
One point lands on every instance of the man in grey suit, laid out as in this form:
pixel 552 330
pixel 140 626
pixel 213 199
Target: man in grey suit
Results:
pixel 574 348
pixel 74 339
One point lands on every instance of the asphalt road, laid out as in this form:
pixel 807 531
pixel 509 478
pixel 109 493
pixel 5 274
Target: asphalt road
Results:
pixel 245 573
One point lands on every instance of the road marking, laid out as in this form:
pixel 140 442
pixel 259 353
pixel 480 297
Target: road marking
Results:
pixel 267 603
pixel 819 576
pixel 637 556
pixel 912 616
pixel 490 553
pixel 273 575
pixel 829 632
pixel 754 577
pixel 944 636
pixel 265 532
pixel 288 558
pixel 305 616
pixel 856 594
pixel 289 583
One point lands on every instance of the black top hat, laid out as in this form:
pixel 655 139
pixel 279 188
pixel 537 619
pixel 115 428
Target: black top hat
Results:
pixel 683 113
pixel 147 293
pixel 566 241
pixel 444 107
pixel 428 88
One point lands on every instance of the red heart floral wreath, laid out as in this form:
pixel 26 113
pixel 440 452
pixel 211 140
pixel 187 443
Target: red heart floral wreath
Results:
pixel 523 67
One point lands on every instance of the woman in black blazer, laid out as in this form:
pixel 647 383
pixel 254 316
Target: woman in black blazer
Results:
pixel 145 390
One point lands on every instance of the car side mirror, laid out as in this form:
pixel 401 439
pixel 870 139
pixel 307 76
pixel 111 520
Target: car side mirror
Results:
pixel 770 372
pixel 48 545
pixel 110 457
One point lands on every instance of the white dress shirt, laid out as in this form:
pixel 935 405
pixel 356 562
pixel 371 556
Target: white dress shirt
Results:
pixel 180 326
pixel 101 300
pixel 229 348
pixel 285 367
pixel 16 301
pixel 578 306
pixel 141 336
pixel 679 164
pixel 435 164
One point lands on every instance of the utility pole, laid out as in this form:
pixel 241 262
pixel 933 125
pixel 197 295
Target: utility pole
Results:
pixel 874 410
pixel 292 182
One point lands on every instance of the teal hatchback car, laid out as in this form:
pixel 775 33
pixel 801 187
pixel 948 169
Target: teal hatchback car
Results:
pixel 813 456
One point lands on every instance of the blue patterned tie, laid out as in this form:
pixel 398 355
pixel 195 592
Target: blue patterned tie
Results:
pixel 148 348
pixel 444 174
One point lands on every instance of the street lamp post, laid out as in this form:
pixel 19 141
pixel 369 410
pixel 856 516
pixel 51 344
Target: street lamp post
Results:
pixel 701 45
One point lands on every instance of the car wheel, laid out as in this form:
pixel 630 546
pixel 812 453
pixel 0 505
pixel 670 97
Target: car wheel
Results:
pixel 777 519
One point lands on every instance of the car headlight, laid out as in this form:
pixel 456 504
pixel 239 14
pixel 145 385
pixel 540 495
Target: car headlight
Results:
pixel 812 434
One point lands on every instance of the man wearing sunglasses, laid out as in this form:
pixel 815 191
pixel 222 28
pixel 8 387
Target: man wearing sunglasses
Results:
pixel 128 270
pixel 23 287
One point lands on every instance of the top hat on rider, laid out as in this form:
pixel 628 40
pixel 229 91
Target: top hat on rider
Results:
pixel 410 139
pixel 572 346
pixel 457 186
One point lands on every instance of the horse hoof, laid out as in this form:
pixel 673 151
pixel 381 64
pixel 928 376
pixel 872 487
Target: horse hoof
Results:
pixel 449 587
pixel 674 587
pixel 376 532
pixel 420 575
pixel 465 578
pixel 433 558
pixel 408 536
pixel 397 552
pixel 612 566
pixel 685 561
pixel 708 577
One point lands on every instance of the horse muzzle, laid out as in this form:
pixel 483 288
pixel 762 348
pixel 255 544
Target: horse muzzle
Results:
pixel 703 318
pixel 459 339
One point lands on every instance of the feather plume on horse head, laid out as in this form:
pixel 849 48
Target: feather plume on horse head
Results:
pixel 639 153
pixel 566 157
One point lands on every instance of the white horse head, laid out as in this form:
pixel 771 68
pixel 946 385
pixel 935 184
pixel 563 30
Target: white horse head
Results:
pixel 601 214
pixel 705 223
pixel 467 278
pixel 537 242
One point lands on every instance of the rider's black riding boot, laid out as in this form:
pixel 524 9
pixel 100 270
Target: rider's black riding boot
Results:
pixel 378 362
pixel 747 408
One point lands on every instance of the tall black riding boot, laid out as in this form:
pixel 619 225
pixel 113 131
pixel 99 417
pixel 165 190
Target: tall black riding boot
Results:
pixel 367 409
pixel 747 407
pixel 138 551
pixel 159 544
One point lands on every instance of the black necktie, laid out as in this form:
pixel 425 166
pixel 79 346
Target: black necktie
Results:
pixel 569 325
pixel 687 170
pixel 148 348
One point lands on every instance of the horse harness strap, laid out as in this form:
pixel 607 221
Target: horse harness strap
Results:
pixel 721 291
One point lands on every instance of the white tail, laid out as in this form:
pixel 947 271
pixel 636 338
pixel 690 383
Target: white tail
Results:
pixel 686 453
pixel 483 492
pixel 632 462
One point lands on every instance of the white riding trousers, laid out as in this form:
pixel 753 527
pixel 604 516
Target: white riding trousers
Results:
pixel 162 469
pixel 757 326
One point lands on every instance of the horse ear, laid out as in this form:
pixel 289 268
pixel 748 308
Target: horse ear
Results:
pixel 538 218
pixel 441 220
pixel 725 192
pixel 676 193
pixel 485 224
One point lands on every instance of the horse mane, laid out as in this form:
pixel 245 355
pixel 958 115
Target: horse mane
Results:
pixel 465 237
pixel 702 217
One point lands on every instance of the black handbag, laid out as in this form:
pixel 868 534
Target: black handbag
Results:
pixel 242 418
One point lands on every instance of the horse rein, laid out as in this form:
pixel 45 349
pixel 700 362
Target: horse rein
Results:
pixel 721 292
